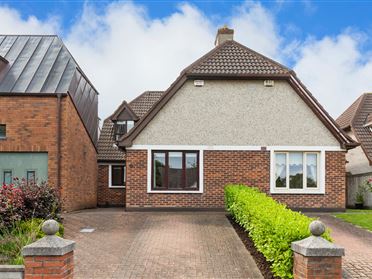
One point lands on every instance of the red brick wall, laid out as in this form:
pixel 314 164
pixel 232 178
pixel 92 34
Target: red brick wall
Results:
pixel 316 267
pixel 335 187
pixel 79 162
pixel 223 167
pixel 32 126
pixel 108 196
pixel 56 267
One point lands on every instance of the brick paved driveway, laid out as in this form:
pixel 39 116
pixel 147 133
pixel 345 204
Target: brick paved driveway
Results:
pixel 157 245
pixel 357 242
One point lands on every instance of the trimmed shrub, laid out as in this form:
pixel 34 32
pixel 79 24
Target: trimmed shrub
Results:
pixel 271 225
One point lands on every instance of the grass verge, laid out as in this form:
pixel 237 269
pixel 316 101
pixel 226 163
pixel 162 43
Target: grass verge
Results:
pixel 359 217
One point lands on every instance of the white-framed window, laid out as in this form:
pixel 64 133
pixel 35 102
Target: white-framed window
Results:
pixel 174 170
pixel 297 172
pixel 117 176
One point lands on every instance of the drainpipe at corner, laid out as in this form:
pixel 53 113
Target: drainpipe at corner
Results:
pixel 59 137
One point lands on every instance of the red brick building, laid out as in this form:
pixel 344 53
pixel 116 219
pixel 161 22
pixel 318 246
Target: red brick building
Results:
pixel 233 116
pixel 48 118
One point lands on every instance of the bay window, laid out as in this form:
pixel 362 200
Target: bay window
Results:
pixel 175 170
pixel 296 171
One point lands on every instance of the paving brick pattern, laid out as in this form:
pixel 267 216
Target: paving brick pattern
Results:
pixel 357 263
pixel 157 245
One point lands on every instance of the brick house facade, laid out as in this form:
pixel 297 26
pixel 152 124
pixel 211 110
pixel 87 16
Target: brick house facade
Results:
pixel 253 168
pixel 233 116
pixel 44 111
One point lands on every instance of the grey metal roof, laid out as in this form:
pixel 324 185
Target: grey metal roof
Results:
pixel 43 64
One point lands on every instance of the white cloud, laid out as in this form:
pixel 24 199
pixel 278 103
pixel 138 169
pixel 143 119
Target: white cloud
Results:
pixel 125 52
pixel 335 70
pixel 11 22
pixel 255 27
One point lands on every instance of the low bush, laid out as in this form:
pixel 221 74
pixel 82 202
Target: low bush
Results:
pixel 22 201
pixel 271 225
pixel 11 205
pixel 22 233
pixel 40 201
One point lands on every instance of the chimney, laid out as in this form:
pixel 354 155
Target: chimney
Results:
pixel 224 34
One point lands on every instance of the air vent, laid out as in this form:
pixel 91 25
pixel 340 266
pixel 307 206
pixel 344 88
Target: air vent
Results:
pixel 268 83
pixel 199 83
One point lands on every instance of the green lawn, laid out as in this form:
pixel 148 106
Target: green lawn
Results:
pixel 362 218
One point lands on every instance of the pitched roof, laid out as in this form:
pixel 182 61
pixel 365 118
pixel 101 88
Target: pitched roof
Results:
pixel 357 116
pixel 345 119
pixel 107 149
pixel 231 60
pixel 142 104
pixel 124 106
pixel 41 64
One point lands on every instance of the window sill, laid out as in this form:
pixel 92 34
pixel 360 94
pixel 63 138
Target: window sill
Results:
pixel 174 192
pixel 297 192
pixel 2 138
pixel 116 187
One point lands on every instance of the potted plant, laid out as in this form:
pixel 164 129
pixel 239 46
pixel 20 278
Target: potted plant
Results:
pixel 359 196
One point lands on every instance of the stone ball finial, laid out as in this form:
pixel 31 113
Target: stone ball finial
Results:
pixel 317 228
pixel 50 227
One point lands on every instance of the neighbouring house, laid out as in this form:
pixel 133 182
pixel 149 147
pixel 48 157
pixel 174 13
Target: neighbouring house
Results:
pixel 48 118
pixel 356 121
pixel 233 116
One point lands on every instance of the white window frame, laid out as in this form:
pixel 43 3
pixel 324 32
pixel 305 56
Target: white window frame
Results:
pixel 176 148
pixel 110 176
pixel 320 169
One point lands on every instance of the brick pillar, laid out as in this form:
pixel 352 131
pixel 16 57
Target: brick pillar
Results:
pixel 49 257
pixel 316 258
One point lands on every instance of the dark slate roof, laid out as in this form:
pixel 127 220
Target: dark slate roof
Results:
pixel 107 150
pixel 233 58
pixel 355 117
pixel 43 64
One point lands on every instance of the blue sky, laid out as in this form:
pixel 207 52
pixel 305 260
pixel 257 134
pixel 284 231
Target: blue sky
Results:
pixel 297 19
pixel 328 43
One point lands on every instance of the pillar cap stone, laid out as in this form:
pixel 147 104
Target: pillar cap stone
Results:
pixel 49 245
pixel 317 228
pixel 315 245
pixel 50 227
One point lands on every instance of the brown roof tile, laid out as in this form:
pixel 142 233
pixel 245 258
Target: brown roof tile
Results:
pixel 345 119
pixel 107 150
pixel 142 104
pixel 356 116
pixel 232 58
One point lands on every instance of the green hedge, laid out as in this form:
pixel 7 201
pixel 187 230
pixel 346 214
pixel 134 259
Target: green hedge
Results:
pixel 271 225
